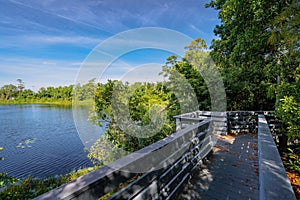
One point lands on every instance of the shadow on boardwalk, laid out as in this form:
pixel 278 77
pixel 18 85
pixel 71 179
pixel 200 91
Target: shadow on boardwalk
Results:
pixel 231 172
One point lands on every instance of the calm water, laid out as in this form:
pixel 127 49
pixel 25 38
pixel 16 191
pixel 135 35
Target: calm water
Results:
pixel 40 141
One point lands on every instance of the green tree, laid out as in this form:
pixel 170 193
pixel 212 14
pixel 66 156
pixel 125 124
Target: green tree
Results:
pixel 8 92
pixel 19 94
pixel 285 37
pixel 258 54
pixel 243 52
pixel 136 115
pixel 184 80
pixel 21 85
pixel 196 73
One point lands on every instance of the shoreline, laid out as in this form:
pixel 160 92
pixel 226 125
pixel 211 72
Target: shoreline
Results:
pixel 67 103
pixel 58 103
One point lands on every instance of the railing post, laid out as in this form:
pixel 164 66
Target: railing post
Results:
pixel 178 123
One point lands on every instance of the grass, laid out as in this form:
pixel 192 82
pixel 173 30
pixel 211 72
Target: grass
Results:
pixel 32 187
pixel 45 101
pixel 37 101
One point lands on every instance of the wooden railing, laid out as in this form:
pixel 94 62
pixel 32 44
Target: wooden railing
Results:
pixel 157 171
pixel 231 121
pixel 273 181
pixel 218 120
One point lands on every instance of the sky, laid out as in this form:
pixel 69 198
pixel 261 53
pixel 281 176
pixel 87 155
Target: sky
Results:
pixel 44 43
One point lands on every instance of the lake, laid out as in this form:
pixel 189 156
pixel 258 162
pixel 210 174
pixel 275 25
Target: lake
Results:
pixel 42 140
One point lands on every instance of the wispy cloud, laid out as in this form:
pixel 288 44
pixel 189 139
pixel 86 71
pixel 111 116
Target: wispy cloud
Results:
pixel 31 41
pixel 201 32
pixel 80 40
pixel 59 9
pixel 44 42
pixel 37 72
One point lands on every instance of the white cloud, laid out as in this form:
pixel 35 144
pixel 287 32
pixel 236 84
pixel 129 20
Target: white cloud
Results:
pixel 63 39
pixel 198 30
pixel 48 40
pixel 144 73
pixel 48 63
pixel 37 72
pixel 33 28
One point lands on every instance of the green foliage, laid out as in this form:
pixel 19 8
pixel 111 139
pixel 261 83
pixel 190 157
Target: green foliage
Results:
pixel 52 93
pixel 30 188
pixel 104 152
pixel 8 92
pixel 202 62
pixel 185 79
pixel 11 94
pixel 243 53
pixel 258 55
pixel 289 112
pixel 291 160
pixel 136 115
pixel 140 114
pixel 85 91
pixel 285 36
pixel 6 180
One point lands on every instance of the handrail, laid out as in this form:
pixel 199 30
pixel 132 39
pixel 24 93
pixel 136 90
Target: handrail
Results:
pixel 152 161
pixel 273 181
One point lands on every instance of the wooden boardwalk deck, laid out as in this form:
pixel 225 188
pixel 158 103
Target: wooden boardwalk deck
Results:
pixel 231 172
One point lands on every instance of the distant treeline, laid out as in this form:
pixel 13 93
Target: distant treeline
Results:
pixel 18 94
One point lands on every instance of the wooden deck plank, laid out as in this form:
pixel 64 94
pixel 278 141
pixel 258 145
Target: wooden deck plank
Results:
pixel 231 172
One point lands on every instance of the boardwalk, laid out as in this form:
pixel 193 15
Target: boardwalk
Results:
pixel 231 172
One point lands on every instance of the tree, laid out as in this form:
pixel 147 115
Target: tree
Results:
pixel 185 80
pixel 8 92
pixel 258 54
pixel 243 52
pixel 196 73
pixel 285 36
pixel 21 85
pixel 18 94
pixel 135 115
pixel 213 84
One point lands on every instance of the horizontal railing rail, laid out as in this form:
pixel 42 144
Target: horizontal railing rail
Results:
pixel 273 181
pixel 218 119
pixel 230 121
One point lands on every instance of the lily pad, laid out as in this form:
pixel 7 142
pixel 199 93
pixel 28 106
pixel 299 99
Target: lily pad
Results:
pixel 1 148
pixel 26 143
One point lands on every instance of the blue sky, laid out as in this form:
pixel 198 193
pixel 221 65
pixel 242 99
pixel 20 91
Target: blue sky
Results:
pixel 45 42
